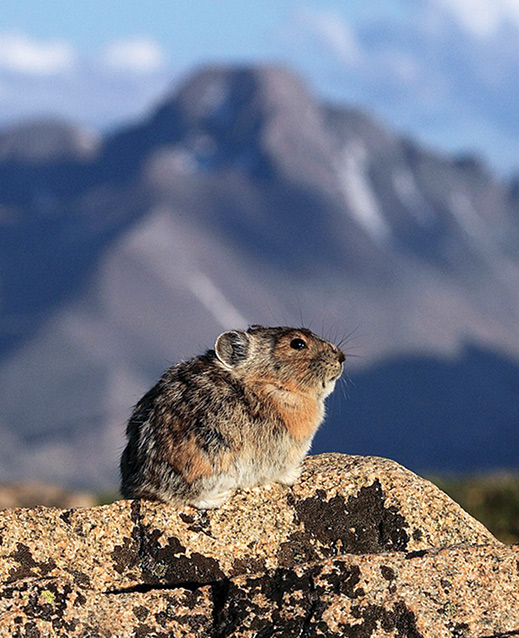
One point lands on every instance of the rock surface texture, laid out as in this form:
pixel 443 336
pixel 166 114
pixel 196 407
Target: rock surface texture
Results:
pixel 359 547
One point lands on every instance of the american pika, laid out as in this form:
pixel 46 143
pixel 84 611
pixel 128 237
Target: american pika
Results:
pixel 241 415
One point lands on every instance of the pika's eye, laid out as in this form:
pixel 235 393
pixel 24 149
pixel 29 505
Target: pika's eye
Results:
pixel 297 344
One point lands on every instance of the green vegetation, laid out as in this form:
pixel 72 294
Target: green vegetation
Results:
pixel 48 596
pixel 493 500
pixel 105 498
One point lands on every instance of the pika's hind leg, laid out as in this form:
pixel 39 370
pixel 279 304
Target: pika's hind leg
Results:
pixel 211 500
pixel 290 476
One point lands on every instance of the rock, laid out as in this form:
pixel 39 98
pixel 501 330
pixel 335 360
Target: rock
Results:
pixel 58 607
pixel 342 504
pixel 458 592
pixel 453 593
pixel 353 546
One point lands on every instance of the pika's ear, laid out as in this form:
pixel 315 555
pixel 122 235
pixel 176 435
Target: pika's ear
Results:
pixel 232 348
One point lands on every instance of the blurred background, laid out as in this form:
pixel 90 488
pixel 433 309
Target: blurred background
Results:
pixel 172 170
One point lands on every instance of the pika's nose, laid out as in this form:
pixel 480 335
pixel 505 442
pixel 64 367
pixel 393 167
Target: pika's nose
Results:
pixel 342 357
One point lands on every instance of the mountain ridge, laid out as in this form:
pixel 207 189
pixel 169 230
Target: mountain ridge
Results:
pixel 241 199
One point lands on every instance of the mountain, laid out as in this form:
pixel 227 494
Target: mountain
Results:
pixel 242 199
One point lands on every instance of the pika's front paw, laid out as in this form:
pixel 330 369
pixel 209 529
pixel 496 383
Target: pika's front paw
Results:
pixel 291 476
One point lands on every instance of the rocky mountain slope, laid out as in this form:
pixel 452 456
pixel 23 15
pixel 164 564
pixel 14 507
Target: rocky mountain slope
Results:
pixel 244 199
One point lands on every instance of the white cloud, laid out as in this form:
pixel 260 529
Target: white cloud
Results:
pixel 483 18
pixel 138 55
pixel 50 79
pixel 332 31
pixel 21 54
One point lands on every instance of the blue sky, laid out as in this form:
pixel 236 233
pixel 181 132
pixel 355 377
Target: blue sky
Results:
pixel 444 71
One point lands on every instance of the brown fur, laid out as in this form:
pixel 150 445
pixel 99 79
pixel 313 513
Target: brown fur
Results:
pixel 238 416
pixel 189 461
pixel 298 411
pixel 301 421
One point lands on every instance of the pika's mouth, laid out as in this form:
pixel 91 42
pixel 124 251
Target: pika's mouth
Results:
pixel 329 383
pixel 331 371
pixel 328 386
pixel 339 373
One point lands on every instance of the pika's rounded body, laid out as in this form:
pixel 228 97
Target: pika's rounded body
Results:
pixel 241 415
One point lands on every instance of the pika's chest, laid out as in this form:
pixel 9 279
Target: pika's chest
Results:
pixel 300 414
pixel 281 440
pixel 301 421
pixel 269 457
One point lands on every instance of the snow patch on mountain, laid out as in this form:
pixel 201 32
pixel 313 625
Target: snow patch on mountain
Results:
pixel 359 194
pixel 214 301
pixel 467 217
pixel 409 194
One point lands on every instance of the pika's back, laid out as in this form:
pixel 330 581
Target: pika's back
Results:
pixel 239 415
